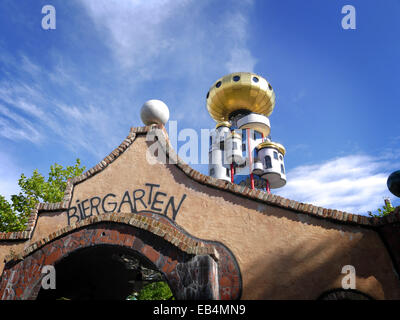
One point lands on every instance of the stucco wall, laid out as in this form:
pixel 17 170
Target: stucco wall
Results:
pixel 282 254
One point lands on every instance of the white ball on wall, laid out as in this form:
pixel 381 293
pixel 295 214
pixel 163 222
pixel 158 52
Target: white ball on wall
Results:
pixel 154 112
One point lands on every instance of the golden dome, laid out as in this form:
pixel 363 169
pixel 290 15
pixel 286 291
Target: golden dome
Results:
pixel 240 91
pixel 271 144
pixel 223 124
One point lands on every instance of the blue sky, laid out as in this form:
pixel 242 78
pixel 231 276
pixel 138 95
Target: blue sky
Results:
pixel 75 91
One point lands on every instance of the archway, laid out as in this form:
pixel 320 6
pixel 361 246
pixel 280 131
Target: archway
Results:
pixel 190 276
pixel 103 272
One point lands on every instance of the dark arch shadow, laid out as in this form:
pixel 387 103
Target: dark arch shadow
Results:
pixel 101 272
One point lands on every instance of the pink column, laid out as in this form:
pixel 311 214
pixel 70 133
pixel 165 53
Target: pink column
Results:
pixel 250 158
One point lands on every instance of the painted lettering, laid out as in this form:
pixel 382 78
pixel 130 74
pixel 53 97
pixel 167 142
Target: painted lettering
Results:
pixel 139 198
pixel 80 209
pixel 172 203
pixel 151 191
pixel 109 203
pixel 94 206
pixel 85 208
pixel 155 201
pixel 136 202
pixel 126 199
pixel 73 215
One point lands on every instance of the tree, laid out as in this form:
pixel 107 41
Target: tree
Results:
pixel 384 211
pixel 155 291
pixel 14 216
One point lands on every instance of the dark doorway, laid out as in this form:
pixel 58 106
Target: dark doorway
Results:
pixel 103 272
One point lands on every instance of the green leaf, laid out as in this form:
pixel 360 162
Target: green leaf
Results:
pixel 382 212
pixel 14 216
pixel 155 291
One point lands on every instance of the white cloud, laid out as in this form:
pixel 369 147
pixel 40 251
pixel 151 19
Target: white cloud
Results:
pixel 172 36
pixel 60 102
pixel 84 127
pixel 26 114
pixel 168 39
pixel 355 184
pixel 28 66
pixel 16 127
pixel 136 29
pixel 9 175
pixel 174 41
pixel 240 58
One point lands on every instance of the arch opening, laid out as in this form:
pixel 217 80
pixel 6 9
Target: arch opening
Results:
pixel 87 255
pixel 102 272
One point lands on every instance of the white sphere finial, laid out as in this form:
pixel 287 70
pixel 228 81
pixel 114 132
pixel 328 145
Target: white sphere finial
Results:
pixel 154 112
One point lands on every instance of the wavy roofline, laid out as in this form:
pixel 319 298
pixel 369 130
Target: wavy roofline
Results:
pixel 253 194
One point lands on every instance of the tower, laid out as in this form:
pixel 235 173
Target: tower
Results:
pixel 241 150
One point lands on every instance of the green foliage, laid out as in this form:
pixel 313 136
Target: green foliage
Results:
pixel 9 219
pixel 53 189
pixel 155 291
pixel 13 217
pixel 384 211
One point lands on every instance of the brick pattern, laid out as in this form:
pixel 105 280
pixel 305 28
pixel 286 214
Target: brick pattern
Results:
pixel 172 252
pixel 394 217
pixel 156 224
pixel 27 233
pixel 230 280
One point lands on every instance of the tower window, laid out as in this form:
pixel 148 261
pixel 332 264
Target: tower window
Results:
pixel 254 153
pixel 257 135
pixel 275 155
pixel 218 84
pixel 212 172
pixel 243 147
pixel 255 79
pixel 282 169
pixel 234 145
pixel 268 163
pixel 280 157
pixel 227 172
pixel 236 78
